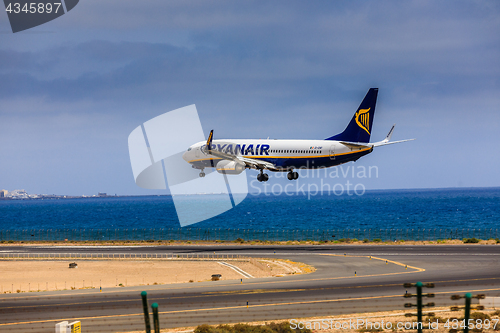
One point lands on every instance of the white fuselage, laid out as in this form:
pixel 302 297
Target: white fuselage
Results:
pixel 285 154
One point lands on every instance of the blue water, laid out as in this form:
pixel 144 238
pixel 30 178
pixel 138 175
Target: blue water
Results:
pixel 477 208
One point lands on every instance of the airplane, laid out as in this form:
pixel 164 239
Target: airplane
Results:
pixel 233 156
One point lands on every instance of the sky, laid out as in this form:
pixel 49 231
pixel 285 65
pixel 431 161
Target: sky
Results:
pixel 73 89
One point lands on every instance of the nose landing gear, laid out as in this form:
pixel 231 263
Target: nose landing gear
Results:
pixel 202 173
pixel 292 175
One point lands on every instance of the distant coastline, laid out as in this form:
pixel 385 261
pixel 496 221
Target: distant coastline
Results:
pixel 422 209
pixel 58 197
pixel 105 195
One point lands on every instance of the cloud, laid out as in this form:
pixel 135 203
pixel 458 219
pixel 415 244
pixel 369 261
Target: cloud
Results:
pixel 282 69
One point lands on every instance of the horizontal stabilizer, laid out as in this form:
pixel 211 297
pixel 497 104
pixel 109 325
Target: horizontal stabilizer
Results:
pixel 382 143
pixel 357 145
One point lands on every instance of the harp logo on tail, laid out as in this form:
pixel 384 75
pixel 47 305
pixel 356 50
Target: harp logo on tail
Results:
pixel 363 119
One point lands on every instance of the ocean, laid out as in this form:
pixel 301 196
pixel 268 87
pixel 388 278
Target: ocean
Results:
pixel 454 208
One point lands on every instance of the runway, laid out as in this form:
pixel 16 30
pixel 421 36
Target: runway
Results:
pixel 347 281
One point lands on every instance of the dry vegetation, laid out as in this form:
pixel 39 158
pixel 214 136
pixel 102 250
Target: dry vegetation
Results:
pixel 370 320
pixel 346 241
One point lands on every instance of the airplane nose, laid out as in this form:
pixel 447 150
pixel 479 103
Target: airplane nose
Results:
pixel 188 155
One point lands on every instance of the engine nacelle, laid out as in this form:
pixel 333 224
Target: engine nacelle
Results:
pixel 230 167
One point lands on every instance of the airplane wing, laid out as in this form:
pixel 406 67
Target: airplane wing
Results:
pixel 249 162
pixel 257 164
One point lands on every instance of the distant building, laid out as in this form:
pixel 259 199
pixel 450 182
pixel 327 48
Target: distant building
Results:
pixel 3 193
pixel 102 194
pixel 18 194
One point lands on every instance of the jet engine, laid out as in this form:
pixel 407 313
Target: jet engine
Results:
pixel 230 167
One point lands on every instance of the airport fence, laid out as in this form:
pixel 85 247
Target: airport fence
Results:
pixel 127 256
pixel 283 235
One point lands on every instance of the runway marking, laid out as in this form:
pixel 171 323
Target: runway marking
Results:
pixel 226 292
pixel 236 269
pixel 240 292
pixel 219 285
pixel 250 283
pixel 376 258
pixel 239 307
pixel 208 294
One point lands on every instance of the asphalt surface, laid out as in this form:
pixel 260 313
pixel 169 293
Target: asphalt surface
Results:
pixel 330 291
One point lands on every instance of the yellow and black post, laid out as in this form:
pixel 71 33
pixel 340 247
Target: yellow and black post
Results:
pixel 156 319
pixel 419 304
pixel 468 298
pixel 144 296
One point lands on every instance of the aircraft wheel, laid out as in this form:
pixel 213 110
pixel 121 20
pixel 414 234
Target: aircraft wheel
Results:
pixel 295 175
pixel 290 176
pixel 259 177
pixel 202 174
pixel 265 177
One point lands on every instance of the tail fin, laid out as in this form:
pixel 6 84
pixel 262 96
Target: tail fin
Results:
pixel 360 127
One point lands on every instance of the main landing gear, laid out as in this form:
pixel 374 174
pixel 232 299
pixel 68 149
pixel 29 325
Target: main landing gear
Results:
pixel 292 175
pixel 262 177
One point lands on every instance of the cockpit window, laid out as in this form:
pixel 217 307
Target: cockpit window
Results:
pixel 189 148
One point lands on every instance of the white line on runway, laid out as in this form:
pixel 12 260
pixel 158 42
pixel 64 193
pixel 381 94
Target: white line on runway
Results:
pixel 271 254
pixel 237 269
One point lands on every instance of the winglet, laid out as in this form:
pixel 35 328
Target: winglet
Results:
pixel 209 141
pixel 388 137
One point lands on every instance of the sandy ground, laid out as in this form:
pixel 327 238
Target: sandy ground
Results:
pixel 35 275
pixel 390 321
